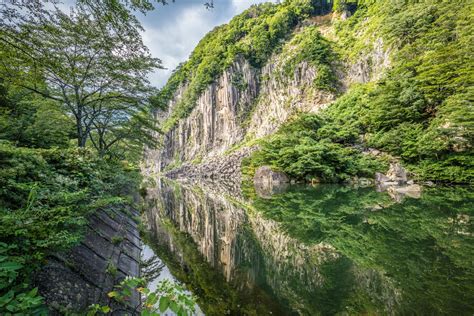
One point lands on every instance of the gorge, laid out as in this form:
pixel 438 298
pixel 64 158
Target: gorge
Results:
pixel 331 98
pixel 310 157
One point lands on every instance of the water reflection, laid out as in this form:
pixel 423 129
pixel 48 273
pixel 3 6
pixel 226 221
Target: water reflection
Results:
pixel 316 250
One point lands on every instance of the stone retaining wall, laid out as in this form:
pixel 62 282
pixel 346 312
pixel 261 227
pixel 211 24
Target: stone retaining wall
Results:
pixel 110 251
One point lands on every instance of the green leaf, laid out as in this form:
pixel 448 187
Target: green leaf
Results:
pixel 112 294
pixel 6 298
pixel 152 299
pixel 174 306
pixel 164 303
pixel 33 292
pixel 10 266
pixel 105 309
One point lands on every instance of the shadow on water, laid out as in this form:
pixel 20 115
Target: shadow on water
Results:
pixel 321 250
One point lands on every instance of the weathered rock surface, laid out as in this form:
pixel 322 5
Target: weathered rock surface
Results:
pixel 74 280
pixel 369 66
pixel 396 183
pixel 380 178
pixel 230 112
pixel 396 173
pixel 266 176
pixel 226 114
pixel 222 168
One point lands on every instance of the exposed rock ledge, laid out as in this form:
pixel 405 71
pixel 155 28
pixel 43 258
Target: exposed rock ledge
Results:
pixel 223 168
pixel 110 251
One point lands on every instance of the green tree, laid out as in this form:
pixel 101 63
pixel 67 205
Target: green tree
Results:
pixel 29 120
pixel 80 61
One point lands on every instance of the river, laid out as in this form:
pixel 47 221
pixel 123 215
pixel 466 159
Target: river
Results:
pixel 322 250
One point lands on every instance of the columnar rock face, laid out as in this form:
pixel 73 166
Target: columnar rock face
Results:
pixel 216 122
pixel 246 103
pixel 228 113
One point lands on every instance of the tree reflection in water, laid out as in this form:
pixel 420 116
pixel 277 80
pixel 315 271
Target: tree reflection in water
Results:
pixel 317 250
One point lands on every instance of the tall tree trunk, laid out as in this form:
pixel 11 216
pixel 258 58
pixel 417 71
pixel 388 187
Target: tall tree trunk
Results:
pixel 82 132
pixel 83 141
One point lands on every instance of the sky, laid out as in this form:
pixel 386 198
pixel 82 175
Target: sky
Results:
pixel 172 31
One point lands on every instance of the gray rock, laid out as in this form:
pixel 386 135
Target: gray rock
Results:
pixel 397 173
pixel 265 175
pixel 364 182
pixel 413 191
pixel 381 178
pixel 345 15
pixel 268 182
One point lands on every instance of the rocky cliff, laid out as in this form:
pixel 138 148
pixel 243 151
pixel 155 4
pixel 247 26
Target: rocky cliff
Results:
pixel 214 125
pixel 365 70
pixel 246 103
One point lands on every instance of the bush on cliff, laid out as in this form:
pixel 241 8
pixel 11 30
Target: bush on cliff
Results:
pixel 302 148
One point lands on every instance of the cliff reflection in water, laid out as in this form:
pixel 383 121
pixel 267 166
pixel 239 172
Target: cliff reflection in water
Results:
pixel 316 250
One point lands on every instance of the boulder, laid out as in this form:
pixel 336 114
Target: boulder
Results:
pixel 268 181
pixel 381 178
pixel 397 173
pixel 265 175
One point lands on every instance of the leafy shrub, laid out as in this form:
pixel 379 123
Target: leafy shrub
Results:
pixel 309 45
pixel 300 150
pixel 15 295
pixel 30 121
pixel 167 295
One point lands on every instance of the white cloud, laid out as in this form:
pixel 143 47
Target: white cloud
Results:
pixel 172 32
pixel 173 42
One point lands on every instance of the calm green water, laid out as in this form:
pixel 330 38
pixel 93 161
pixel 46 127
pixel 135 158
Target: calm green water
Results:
pixel 322 250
